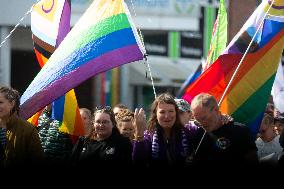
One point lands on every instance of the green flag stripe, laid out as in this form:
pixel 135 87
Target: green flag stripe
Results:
pixel 247 111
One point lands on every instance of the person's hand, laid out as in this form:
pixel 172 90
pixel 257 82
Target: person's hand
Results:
pixel 139 123
pixel 226 119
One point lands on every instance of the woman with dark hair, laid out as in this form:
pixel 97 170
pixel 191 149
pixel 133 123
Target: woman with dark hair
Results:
pixel 22 147
pixel 104 146
pixel 166 141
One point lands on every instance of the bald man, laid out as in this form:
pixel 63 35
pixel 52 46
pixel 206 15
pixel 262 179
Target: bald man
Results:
pixel 222 143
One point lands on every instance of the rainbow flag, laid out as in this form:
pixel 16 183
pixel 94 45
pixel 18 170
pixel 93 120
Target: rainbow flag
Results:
pixel 50 23
pixel 115 86
pixel 248 94
pixel 102 39
pixel 66 111
pixel 109 87
pixel 34 119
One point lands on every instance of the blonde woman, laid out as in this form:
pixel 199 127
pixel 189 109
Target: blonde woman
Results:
pixel 125 123
pixel 86 116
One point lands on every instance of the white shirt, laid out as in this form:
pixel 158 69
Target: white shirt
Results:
pixel 268 150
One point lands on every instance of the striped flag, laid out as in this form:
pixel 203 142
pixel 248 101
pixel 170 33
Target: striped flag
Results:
pixel 109 87
pixel 50 23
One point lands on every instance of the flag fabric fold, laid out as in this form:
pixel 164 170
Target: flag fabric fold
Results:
pixel 50 23
pixel 248 93
pixel 103 38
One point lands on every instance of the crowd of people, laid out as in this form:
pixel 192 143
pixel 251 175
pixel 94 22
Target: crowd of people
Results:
pixel 177 134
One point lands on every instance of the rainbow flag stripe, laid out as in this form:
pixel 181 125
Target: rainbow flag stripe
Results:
pixel 66 111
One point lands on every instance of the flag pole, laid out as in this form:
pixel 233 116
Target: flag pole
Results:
pixel 243 57
pixel 152 81
pixel 17 25
pixel 145 55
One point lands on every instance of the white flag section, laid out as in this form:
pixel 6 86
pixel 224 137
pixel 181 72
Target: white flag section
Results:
pixel 278 89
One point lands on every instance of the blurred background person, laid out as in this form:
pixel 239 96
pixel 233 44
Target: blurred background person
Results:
pixel 279 124
pixel 125 121
pixel 185 114
pixel 270 109
pixel 86 115
pixel 267 143
pixel 119 107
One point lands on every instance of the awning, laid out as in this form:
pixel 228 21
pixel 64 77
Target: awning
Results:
pixel 165 72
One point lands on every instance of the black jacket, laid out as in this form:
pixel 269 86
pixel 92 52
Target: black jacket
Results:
pixel 113 151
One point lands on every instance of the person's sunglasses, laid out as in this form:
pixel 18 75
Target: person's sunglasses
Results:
pixel 103 108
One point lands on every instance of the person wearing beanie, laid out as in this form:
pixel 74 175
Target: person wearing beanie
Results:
pixel 185 114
